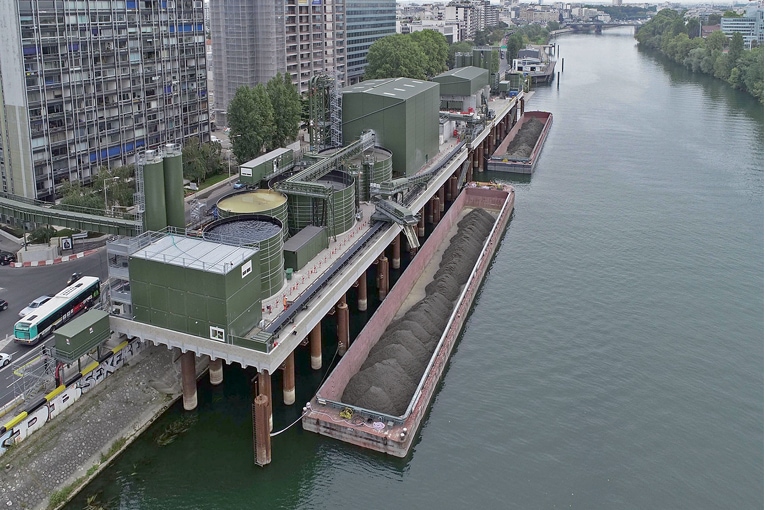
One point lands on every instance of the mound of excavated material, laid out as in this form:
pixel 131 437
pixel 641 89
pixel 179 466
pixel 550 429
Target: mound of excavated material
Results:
pixel 523 143
pixel 388 378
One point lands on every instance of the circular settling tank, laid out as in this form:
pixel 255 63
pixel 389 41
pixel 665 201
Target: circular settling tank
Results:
pixel 262 232
pixel 265 202
pixel 338 213
pixel 374 165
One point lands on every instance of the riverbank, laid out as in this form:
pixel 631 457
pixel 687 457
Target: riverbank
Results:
pixel 52 465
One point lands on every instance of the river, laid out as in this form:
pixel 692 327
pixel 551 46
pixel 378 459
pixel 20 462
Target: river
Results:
pixel 614 356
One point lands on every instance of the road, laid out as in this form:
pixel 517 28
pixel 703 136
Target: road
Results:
pixel 21 285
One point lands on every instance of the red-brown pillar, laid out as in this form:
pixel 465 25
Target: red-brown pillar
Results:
pixel 362 292
pixel 421 224
pixel 448 189
pixel 216 371
pixel 382 276
pixel 441 200
pixel 288 381
pixel 436 210
pixel 455 191
pixel 314 338
pixel 261 430
pixel 342 327
pixel 429 211
pixel 189 380
pixel 264 388
pixel 396 259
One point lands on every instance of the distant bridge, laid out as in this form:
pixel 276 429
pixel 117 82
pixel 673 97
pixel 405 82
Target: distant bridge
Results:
pixel 597 27
pixel 80 218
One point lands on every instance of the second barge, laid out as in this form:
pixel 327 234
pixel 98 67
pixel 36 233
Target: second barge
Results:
pixel 328 414
pixel 519 151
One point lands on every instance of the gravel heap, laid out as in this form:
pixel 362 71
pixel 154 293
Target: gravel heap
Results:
pixel 388 378
pixel 524 141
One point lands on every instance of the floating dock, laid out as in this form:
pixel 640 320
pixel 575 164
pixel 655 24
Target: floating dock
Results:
pixel 328 415
pixel 521 160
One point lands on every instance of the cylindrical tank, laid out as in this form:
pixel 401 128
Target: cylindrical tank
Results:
pixel 155 215
pixel 374 165
pixel 265 202
pixel 173 168
pixel 263 232
pixel 338 214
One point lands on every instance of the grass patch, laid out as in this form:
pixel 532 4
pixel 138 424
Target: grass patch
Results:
pixel 15 232
pixel 116 446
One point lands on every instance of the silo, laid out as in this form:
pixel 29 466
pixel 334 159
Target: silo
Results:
pixel 173 169
pixel 337 213
pixel 374 165
pixel 155 216
pixel 265 202
pixel 255 230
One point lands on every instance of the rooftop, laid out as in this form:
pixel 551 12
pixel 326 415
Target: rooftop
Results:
pixel 401 88
pixel 194 253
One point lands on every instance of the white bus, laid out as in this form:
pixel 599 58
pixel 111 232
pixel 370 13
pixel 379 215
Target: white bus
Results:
pixel 59 309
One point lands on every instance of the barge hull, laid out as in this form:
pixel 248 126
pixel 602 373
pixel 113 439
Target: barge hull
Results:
pixel 500 162
pixel 328 416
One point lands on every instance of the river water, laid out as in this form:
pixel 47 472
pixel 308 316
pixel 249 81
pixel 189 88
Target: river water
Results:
pixel 614 357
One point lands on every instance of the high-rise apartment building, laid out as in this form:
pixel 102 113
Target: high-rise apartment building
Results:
pixel 366 22
pixel 750 26
pixel 87 84
pixel 255 40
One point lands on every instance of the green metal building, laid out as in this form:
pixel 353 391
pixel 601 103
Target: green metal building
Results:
pixel 402 112
pixel 187 284
pixel 461 87
pixel 252 172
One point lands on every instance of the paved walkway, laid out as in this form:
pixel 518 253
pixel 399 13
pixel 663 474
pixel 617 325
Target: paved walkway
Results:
pixel 63 451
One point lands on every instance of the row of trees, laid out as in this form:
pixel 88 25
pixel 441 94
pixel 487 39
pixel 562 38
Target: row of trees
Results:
pixel 419 55
pixel 670 34
pixel 201 160
pixel 114 188
pixel 264 117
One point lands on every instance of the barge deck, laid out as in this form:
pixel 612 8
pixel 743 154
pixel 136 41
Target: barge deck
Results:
pixel 328 415
pixel 501 161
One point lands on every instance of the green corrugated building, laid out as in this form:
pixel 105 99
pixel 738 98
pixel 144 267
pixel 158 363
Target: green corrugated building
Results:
pixel 198 287
pixel 402 112
pixel 461 87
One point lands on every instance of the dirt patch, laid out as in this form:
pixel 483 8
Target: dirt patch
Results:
pixel 521 146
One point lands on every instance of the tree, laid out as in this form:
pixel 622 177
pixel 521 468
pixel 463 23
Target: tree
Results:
pixel 553 25
pixel 201 160
pixel 395 56
pixel 76 195
pixel 713 19
pixel 514 45
pixel 716 41
pixel 433 44
pixel 251 119
pixel 285 102
pixel 735 49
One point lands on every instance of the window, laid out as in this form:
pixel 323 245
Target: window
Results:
pixel 218 334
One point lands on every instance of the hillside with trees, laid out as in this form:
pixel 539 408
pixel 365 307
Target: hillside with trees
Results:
pixel 669 33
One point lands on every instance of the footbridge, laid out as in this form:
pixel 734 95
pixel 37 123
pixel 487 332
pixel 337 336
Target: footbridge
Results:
pixel 79 218
pixel 597 27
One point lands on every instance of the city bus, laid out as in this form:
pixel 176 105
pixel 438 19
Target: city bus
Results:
pixel 59 309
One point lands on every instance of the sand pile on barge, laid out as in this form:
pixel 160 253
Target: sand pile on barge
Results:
pixel 388 378
pixel 523 144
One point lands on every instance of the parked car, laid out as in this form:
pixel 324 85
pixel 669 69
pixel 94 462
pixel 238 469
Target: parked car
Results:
pixel 5 359
pixel 238 185
pixel 3 305
pixel 6 258
pixel 34 305
pixel 73 278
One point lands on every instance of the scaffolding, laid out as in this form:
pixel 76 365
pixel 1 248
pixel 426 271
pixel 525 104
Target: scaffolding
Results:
pixel 325 112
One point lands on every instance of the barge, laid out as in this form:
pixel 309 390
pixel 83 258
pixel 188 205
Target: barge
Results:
pixel 517 155
pixel 328 414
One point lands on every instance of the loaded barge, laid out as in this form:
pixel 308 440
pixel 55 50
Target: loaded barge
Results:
pixel 328 414
pixel 519 151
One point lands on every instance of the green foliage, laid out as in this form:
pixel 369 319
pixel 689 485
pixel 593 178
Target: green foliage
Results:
pixel 77 195
pixel 552 26
pixel 741 68
pixel 418 55
pixel 731 14
pixel 713 19
pixel 515 43
pixel 41 235
pixel 285 102
pixel 201 160
pixel 460 47
pixel 433 44
pixel 251 119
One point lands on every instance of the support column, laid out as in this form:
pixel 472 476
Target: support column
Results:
pixel 448 186
pixel 382 277
pixel 288 381
pixel 429 210
pixel 342 327
pixel 455 191
pixel 264 388
pixel 421 224
pixel 474 170
pixel 436 210
pixel 260 430
pixel 396 260
pixel 314 337
pixel 189 380
pixel 362 292
pixel 441 201
pixel 216 371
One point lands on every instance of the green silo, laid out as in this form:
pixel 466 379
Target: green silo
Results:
pixel 155 217
pixel 337 214
pixel 173 169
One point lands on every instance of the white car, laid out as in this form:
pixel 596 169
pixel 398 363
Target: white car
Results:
pixel 5 359
pixel 33 306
